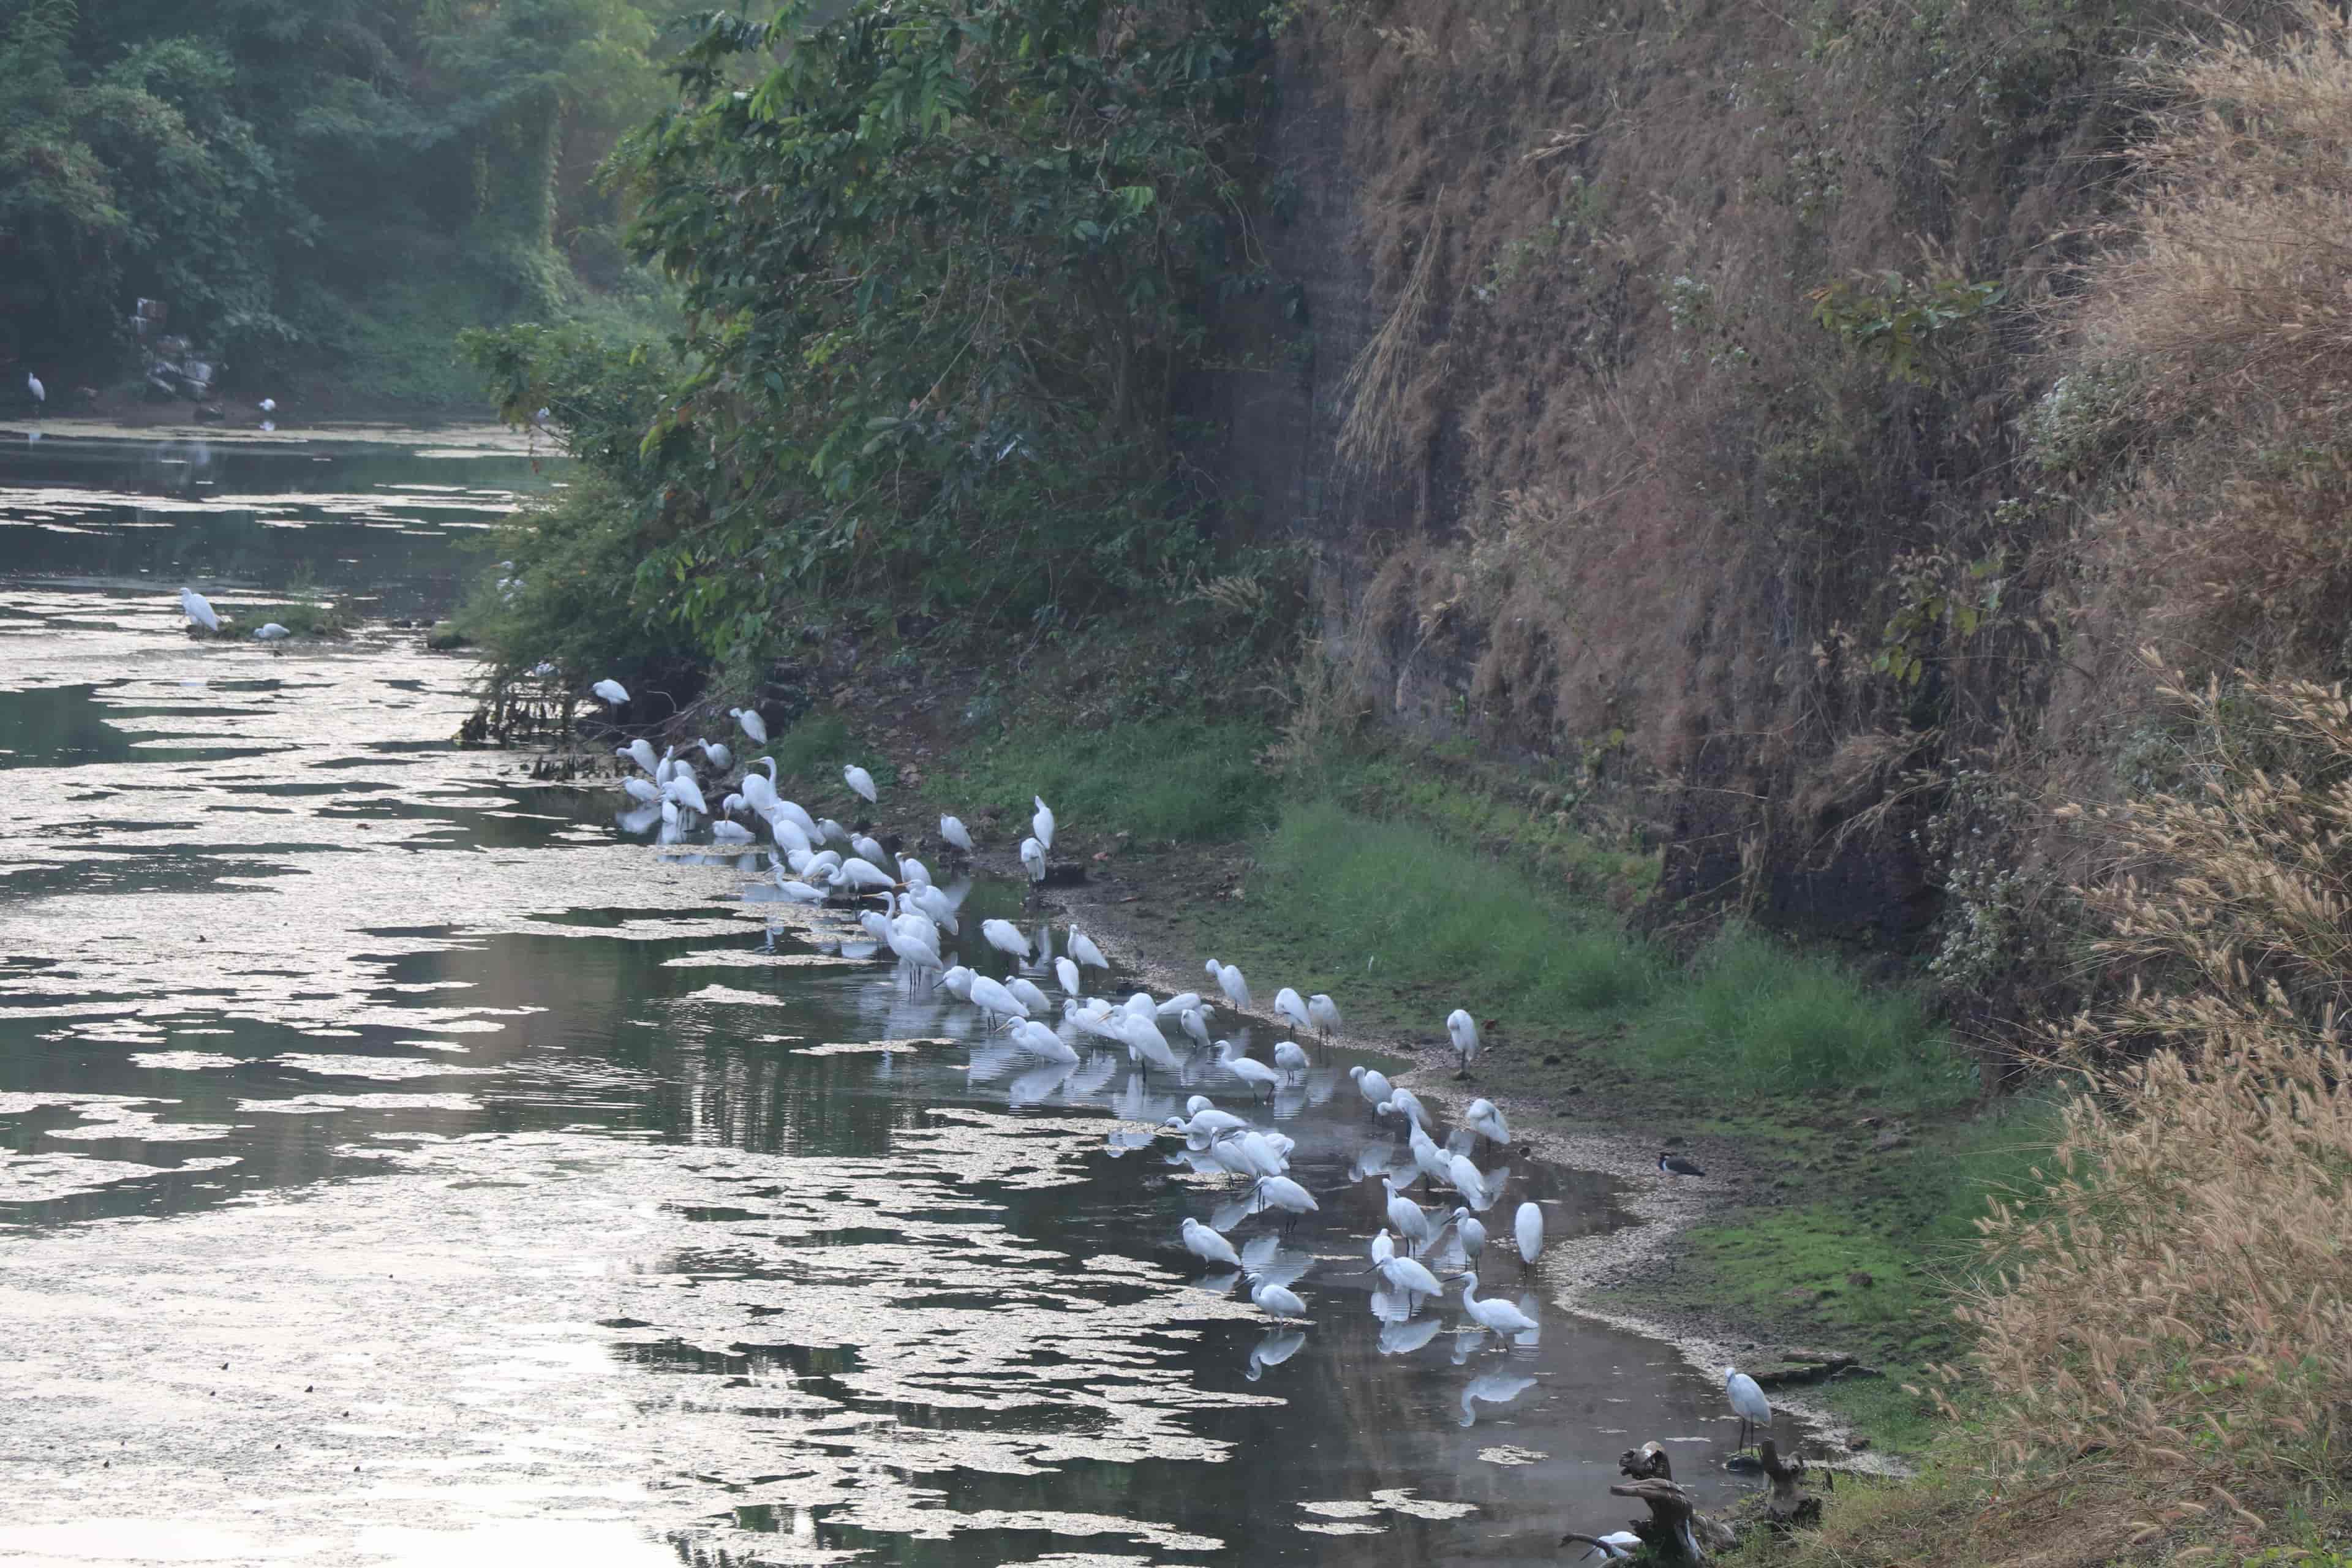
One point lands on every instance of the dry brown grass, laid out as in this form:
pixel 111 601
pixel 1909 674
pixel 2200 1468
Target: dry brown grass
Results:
pixel 2177 1300
pixel 2230 315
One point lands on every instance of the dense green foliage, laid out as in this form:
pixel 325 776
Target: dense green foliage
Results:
pixel 942 262
pixel 332 186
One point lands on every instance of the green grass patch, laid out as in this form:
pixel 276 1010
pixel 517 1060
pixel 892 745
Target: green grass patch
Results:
pixel 1761 1017
pixel 302 617
pixel 812 753
pixel 1181 780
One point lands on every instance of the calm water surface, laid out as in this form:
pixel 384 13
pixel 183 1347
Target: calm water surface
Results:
pixel 400 1163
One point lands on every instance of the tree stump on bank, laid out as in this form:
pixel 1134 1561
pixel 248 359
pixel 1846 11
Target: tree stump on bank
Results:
pixel 1789 1504
pixel 1675 1530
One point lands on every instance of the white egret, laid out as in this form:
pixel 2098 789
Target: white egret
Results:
pixel 1249 1071
pixel 612 692
pixel 1611 1547
pixel 1082 947
pixel 954 830
pixel 730 832
pixel 682 789
pixel 270 405
pixel 1282 1193
pixel 1037 1001
pixel 991 996
pixel 1290 1055
pixel 640 751
pixel 668 766
pixel 828 829
pixel 935 904
pixel 753 725
pixel 1485 1120
pixel 779 806
pixel 868 847
pixel 1383 1247
pixel 199 609
pixel 1495 1316
pixel 643 791
pixel 1526 1227
pixel 1005 937
pixel 858 779
pixel 1068 974
pixel 1247 1152
pixel 913 871
pixel 1410 1275
pixel 1277 1301
pixel 1194 1025
pixel 1288 1005
pixel 1325 1012
pixel 270 632
pixel 1229 980
pixel 1209 1245
pixel 1427 1157
pixel 1463 1028
pixel 40 393
pixel 799 892
pixel 1747 1403
pixel 1033 857
pixel 1406 1215
pixel 1405 1103
pixel 788 835
pixel 1039 1040
pixel 1177 1002
pixel 1042 824
pixel 1472 1234
pixel 1145 1044
pixel 1673 1165
pixel 862 874
pixel 1373 1085
pixel 1479 1187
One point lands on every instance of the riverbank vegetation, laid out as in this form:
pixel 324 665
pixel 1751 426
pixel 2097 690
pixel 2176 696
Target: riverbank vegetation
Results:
pixel 320 192
pixel 2057 1145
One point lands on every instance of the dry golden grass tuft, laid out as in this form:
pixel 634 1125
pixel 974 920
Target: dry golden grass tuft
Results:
pixel 2177 1301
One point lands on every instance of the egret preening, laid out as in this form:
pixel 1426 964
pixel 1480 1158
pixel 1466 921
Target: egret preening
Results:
pixel 868 847
pixel 1527 1227
pixel 643 791
pixel 1747 1403
pixel 682 789
pixel 722 759
pixel 1082 947
pixel 1485 1120
pixel 272 632
pixel 1480 1188
pixel 827 829
pixel 1068 974
pixel 199 609
pixel 1178 1005
pixel 1325 1012
pixel 955 833
pixel 1372 1085
pixel 1250 1072
pixel 612 693
pixel 1463 1028
pixel 1290 1055
pixel 1429 1159
pixel 1288 1003
pixel 856 778
pixel 1496 1317
pixel 1005 937
pixel 1042 824
pixel 913 871
pixel 754 726
pixel 639 751
pixel 1037 1001
pixel 1673 1165
pixel 1406 1216
pixel 730 832
pixel 1033 860
pixel 1195 1028
pixel 1039 1040
pixel 1405 1103
pixel 1275 1302
pixel 1210 1245
pixel 1229 980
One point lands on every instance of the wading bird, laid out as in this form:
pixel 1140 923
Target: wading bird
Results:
pixel 1495 1317
pixel 1032 860
pixel 1249 1071
pixel 1463 1028
pixel 199 609
pixel 1747 1403
pixel 1082 947
pixel 1486 1120
pixel 1210 1245
pixel 612 693
pixel 1373 1085
pixel 1325 1012
pixel 754 726
pixel 1289 1005
pixel 856 778
pixel 954 832
pixel 272 632
pixel 1290 1055
pixel 1275 1302
pixel 1527 1228
pixel 1042 824
pixel 1229 980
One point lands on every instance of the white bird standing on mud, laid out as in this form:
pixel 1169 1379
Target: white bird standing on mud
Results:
pixel 1032 860
pixel 612 693
pixel 954 832
pixel 1463 1028
pixel 1747 1403
pixel 1229 980
pixel 1485 1120
pixel 1289 1005
pixel 1082 947
pixel 856 778
pixel 1325 1012
pixel 199 610
pixel 753 725
pixel 1042 824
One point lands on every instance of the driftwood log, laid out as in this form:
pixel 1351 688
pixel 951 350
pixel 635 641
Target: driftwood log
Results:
pixel 1675 1530
pixel 1789 1504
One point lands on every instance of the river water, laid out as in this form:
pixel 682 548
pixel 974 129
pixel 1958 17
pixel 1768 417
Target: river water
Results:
pixel 401 1164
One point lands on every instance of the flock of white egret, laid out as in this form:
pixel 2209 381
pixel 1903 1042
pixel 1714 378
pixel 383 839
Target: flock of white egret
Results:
pixel 917 917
